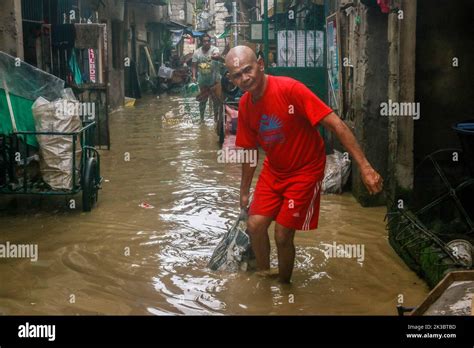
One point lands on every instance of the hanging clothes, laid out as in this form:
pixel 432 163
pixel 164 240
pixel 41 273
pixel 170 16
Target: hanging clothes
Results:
pixel 384 5
pixel 176 36
pixel 75 70
pixel 85 66
pixel 134 88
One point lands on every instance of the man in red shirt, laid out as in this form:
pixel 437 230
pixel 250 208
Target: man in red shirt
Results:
pixel 280 115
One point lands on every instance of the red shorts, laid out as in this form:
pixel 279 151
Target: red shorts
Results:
pixel 292 202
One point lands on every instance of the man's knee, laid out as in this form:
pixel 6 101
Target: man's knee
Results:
pixel 257 224
pixel 283 236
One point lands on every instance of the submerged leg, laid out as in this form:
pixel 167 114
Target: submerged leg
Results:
pixel 286 251
pixel 257 228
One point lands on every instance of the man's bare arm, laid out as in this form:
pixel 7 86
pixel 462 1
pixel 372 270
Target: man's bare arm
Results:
pixel 194 69
pixel 246 181
pixel 372 180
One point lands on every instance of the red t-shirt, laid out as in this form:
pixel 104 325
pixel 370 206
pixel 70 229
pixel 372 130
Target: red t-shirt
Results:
pixel 283 122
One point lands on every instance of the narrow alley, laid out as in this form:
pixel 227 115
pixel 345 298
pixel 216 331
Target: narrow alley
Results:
pixel 165 203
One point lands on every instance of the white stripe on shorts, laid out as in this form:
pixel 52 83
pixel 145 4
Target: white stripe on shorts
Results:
pixel 309 213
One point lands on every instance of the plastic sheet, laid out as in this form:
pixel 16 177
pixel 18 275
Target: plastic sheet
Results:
pixel 23 83
pixel 27 81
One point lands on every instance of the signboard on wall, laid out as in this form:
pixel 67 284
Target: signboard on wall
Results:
pixel 256 31
pixel 92 67
pixel 334 62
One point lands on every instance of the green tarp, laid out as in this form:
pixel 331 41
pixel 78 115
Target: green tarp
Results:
pixel 23 116
pixel 25 83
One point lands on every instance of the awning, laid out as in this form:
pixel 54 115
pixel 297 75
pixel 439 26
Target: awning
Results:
pixel 175 25
pixel 193 33
pixel 196 33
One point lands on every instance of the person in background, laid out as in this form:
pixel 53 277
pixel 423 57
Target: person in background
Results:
pixel 205 71
pixel 175 60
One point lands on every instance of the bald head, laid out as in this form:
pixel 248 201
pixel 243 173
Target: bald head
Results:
pixel 239 56
pixel 245 70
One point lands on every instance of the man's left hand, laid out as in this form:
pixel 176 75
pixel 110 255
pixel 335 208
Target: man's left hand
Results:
pixel 371 179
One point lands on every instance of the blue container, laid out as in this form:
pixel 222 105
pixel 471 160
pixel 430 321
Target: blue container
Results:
pixel 465 131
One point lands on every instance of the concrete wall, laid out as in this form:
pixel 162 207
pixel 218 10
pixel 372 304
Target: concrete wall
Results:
pixel 176 7
pixel 221 12
pixel 370 89
pixel 115 76
pixel 404 166
pixel 445 92
pixel 146 19
pixel 11 33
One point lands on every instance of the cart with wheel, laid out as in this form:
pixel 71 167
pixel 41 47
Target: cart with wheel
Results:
pixel 18 174
pixel 227 118
pixel 74 162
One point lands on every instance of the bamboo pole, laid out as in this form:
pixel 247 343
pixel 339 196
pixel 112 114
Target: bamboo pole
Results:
pixel 10 109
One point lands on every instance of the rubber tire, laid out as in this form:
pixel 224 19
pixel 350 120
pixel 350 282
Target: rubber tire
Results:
pixel 89 189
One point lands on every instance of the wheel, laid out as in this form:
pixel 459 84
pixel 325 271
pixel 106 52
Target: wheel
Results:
pixel 90 192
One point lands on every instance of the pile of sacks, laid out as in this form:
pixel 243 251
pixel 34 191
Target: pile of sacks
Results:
pixel 56 151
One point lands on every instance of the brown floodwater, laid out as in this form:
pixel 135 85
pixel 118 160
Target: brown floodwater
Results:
pixel 125 259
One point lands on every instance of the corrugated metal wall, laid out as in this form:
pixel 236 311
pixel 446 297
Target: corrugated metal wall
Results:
pixel 51 11
pixel 32 10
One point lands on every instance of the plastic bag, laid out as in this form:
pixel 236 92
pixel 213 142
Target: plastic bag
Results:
pixel 165 72
pixel 56 151
pixel 191 90
pixel 234 253
pixel 336 174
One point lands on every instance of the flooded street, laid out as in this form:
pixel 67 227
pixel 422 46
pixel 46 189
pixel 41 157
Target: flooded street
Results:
pixel 123 258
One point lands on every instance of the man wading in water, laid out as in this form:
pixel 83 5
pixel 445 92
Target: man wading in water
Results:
pixel 280 115
pixel 205 64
